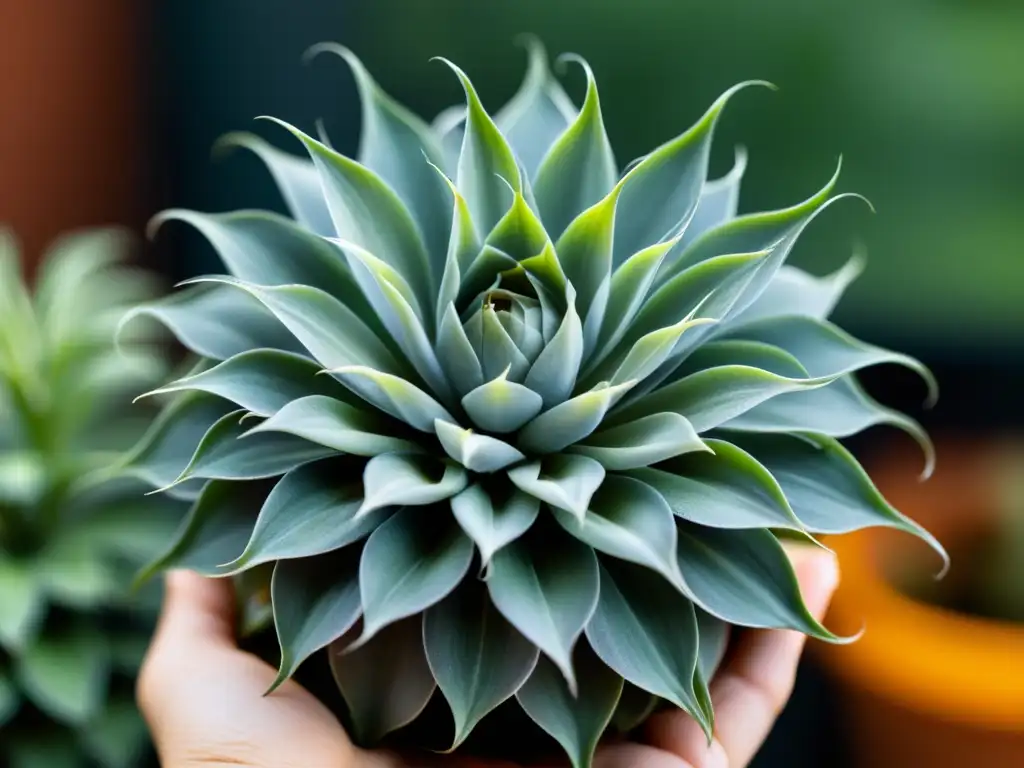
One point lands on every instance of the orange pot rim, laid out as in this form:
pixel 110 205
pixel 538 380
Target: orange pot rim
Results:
pixel 926 658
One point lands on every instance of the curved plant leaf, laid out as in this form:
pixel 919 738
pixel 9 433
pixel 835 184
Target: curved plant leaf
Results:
pixel 643 442
pixel 478 659
pixel 400 479
pixel 477 453
pixel 549 596
pixel 565 481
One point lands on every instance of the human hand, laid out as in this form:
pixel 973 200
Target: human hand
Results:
pixel 203 697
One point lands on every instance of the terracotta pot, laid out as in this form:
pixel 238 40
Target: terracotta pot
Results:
pixel 73 127
pixel 925 686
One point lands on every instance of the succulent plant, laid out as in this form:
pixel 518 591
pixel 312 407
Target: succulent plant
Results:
pixel 71 632
pixel 509 421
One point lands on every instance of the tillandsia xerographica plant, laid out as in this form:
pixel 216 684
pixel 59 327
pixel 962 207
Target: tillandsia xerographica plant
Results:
pixel 510 421
pixel 71 632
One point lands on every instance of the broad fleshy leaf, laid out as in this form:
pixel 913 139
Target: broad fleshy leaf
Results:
pixel 501 405
pixel 478 659
pixel 548 595
pixel 407 479
pixel 565 481
pixel 643 442
pixel 723 488
pixel 311 511
pixel 65 676
pixel 385 683
pixel 579 168
pixel 477 453
pixel 744 577
pixel 393 395
pixel 316 601
pixel 575 720
pixel 571 421
pixel 646 630
pixel 408 564
pixel 493 523
pixel 629 521
pixel 23 603
pixel 334 424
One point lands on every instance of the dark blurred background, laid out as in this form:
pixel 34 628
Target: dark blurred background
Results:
pixel 110 108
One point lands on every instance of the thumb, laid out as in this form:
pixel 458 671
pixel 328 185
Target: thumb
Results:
pixel 197 611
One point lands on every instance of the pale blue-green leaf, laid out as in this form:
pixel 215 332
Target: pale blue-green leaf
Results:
pixel 711 397
pixel 367 212
pixel 519 233
pixel 725 488
pixel 23 604
pixel 575 720
pixel 719 200
pixel 493 523
pixel 266 249
pixel 553 373
pixel 399 146
pixel 652 349
pixel 412 561
pixel 478 659
pixel 641 443
pixel 751 232
pixel 565 481
pixel 627 291
pixel 547 269
pixel 841 409
pixel 398 479
pixel 829 490
pixel 501 405
pixel 548 595
pixel 781 250
pixel 579 169
pixel 410 328
pixel 296 178
pixel 494 348
pixel 594 318
pixel 661 192
pixel 65 675
pixel 463 247
pixel 316 601
pixel 487 164
pixel 216 322
pixel 755 354
pixel 262 381
pixel 393 395
pixel 475 452
pixel 229 452
pixel 334 424
pixel 215 530
pixel 824 349
pixel 713 637
pixel 571 421
pixel 385 683
pixel 456 355
pixel 329 330
pixel 792 291
pixel 309 512
pixel 711 286
pixel 645 630
pixel 450 127
pixel 167 446
pixel 538 113
pixel 629 521
pixel 744 577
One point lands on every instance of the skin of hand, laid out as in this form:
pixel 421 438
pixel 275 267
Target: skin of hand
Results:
pixel 203 697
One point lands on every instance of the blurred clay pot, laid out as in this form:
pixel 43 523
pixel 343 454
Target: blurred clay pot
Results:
pixel 925 686
pixel 73 127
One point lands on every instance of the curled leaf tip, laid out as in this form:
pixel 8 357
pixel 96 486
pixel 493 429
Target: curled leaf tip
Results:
pixel 330 47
